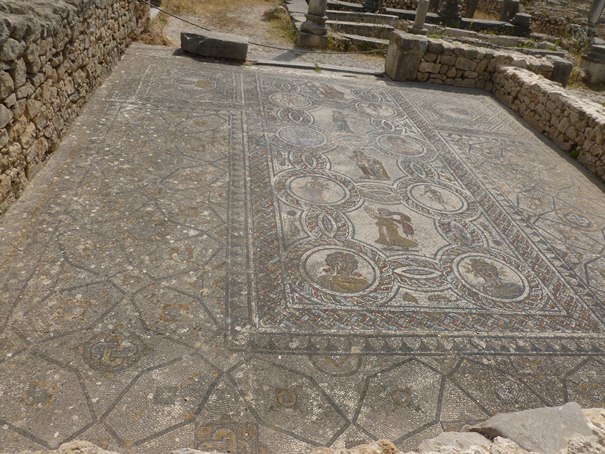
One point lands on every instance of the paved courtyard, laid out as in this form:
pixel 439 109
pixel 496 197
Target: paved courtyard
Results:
pixel 233 258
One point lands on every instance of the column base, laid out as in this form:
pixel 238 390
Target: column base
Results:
pixel 418 31
pixel 312 41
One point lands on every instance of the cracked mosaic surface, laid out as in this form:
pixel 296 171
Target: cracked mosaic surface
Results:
pixel 222 257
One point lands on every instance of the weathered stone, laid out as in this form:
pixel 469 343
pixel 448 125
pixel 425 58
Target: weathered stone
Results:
pixel 11 50
pixel 4 32
pixel 465 64
pixel 404 55
pixel 6 85
pixel 543 430
pixel 427 67
pixel 454 440
pixel 19 73
pixel 215 45
pixel 377 447
pixel 5 115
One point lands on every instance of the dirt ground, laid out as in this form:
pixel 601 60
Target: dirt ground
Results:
pixel 248 20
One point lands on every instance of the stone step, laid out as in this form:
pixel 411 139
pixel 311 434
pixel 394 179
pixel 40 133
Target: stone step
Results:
pixel 344 6
pixel 355 28
pixel 367 18
pixel 361 42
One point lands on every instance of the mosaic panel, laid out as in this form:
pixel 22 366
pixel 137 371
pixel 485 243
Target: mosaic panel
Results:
pixel 384 240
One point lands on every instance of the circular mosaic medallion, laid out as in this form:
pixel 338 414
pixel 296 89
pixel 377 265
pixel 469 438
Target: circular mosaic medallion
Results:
pixel 291 100
pixel 491 277
pixel 301 136
pixel 303 188
pixel 437 198
pixel 113 351
pixel 456 112
pixel 337 274
pixel 492 282
pixel 338 270
pixel 400 146
pixel 318 190
pixel 376 109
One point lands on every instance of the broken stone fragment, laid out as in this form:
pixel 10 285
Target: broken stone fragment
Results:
pixel 215 45
pixel 457 440
pixel 542 430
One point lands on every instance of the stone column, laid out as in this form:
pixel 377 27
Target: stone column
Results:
pixel 450 14
pixel 313 32
pixel 509 9
pixel 594 65
pixel 423 8
pixel 595 11
pixel 471 7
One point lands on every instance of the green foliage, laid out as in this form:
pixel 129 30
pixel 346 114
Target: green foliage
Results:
pixel 528 44
pixel 574 153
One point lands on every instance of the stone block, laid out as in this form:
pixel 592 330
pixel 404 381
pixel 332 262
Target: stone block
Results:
pixel 215 45
pixel 6 85
pixel 448 60
pixel 465 64
pixel 404 55
pixel 542 430
pixel 6 115
pixel 428 67
pixel 11 49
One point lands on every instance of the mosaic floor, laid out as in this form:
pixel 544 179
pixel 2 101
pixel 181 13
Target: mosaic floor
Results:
pixel 230 258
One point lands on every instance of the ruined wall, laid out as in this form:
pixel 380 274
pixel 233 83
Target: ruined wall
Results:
pixel 520 81
pixel 577 126
pixel 414 57
pixel 53 53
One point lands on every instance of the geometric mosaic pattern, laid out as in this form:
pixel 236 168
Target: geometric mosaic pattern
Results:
pixel 364 230
pixel 236 259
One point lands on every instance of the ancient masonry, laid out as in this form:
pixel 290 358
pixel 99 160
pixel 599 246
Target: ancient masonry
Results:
pixel 523 83
pixel 52 55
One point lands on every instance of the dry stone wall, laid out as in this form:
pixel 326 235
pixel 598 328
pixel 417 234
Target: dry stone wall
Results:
pixel 520 81
pixel 53 53
pixel 577 126
pixel 414 57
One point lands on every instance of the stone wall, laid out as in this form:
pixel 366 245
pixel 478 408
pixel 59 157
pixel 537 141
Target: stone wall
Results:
pixel 53 53
pixel 413 57
pixel 518 80
pixel 577 126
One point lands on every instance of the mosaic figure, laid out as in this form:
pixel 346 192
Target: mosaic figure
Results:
pixel 315 189
pixel 389 224
pixel 433 195
pixel 341 273
pixel 340 121
pixel 370 167
pixel 494 284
